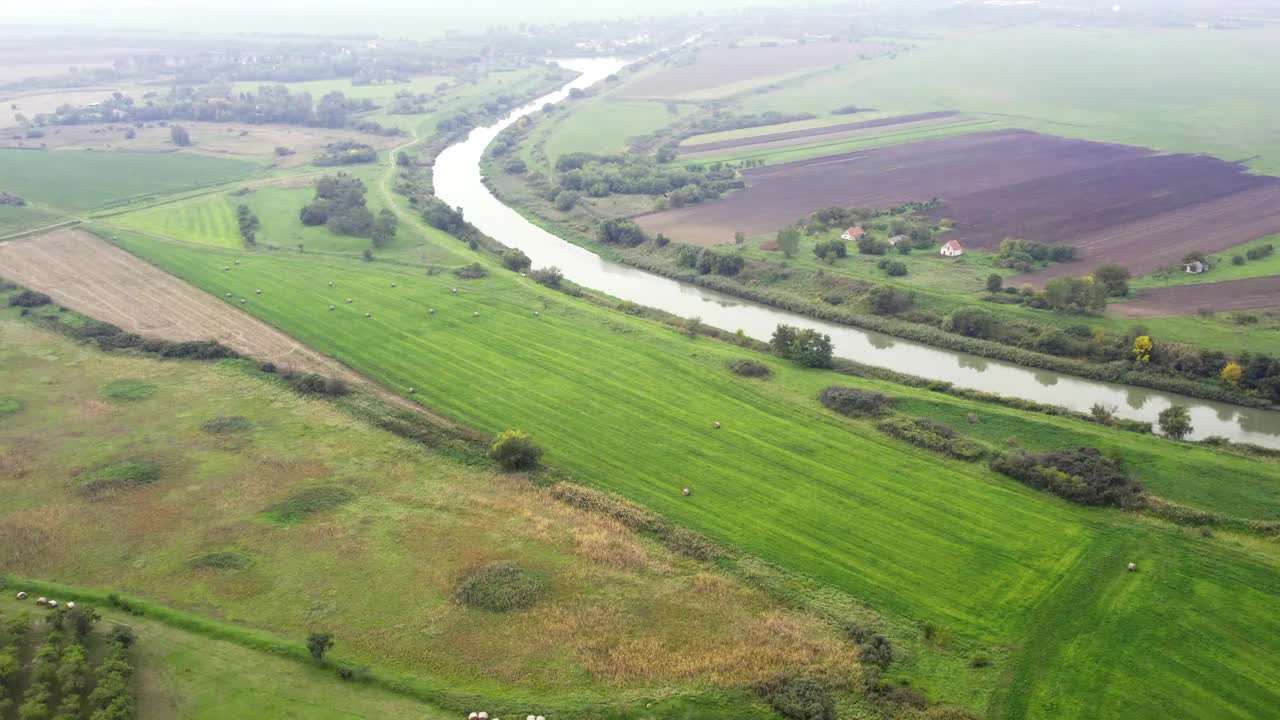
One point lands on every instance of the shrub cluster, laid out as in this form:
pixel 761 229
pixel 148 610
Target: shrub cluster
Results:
pixel 749 368
pixel 28 299
pixel 1082 476
pixel 112 697
pixel 515 260
pixel 515 450
pixel 931 435
pixel 854 402
pixel 248 223
pixel 340 206
pixel 315 384
pixel 549 276
pixel 620 232
pixel 501 587
pixel 1022 255
pixel 119 476
pixel 798 698
pixel 636 174
pixel 474 271
pixel 346 152
pixel 805 347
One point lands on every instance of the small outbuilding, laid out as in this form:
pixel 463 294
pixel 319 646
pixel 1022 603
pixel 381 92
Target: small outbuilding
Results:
pixel 853 233
pixel 1195 267
pixel 896 239
pixel 952 248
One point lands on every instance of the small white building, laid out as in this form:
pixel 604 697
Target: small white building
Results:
pixel 853 233
pixel 952 249
pixel 1195 267
pixel 893 241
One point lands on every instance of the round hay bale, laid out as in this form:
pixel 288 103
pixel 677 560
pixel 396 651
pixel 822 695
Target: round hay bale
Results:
pixel 368 314
pixel 228 294
pixel 475 314
pixel 42 600
pixel 243 301
pixel 412 390
pixel 535 313
pixel 71 606
pixel 22 595
pixel 393 284
pixel 348 301
pixel 715 425
pixel 1133 567
pixel 330 307
pixel 53 603
pixel 454 291
pixel 524 275
pixel 686 492
pixel 431 311
pixel 226 267
pixel 237 262
pixel 473 716
pixel 330 283
pixel 258 291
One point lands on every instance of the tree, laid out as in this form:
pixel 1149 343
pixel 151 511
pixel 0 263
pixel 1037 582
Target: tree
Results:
pixel 1103 414
pixel 384 228
pixel 739 238
pixel 1175 422
pixel 1115 278
pixel 515 260
pixel 318 643
pixel 1232 373
pixel 805 347
pixel 995 283
pixel 970 322
pixel 789 241
pixel 179 136
pixel 1142 346
pixel 515 450
pixel 403 159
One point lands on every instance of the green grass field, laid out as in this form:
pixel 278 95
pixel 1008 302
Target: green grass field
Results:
pixel 75 181
pixel 1178 90
pixel 1222 269
pixel 17 219
pixel 379 570
pixel 627 406
pixel 206 220
pixel 603 125
pixel 385 92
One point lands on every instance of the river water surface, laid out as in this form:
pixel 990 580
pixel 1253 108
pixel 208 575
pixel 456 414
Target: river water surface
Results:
pixel 458 182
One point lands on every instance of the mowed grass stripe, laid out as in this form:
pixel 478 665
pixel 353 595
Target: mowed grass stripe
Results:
pixel 209 220
pixel 627 405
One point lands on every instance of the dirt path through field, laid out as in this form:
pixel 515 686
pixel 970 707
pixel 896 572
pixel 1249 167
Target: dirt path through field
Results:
pixel 1250 294
pixel 97 279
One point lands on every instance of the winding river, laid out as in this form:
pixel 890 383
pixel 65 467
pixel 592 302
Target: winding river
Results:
pixel 458 182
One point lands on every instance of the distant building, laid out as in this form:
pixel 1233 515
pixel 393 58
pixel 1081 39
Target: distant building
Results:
pixel 853 233
pixel 893 241
pixel 1195 267
pixel 952 249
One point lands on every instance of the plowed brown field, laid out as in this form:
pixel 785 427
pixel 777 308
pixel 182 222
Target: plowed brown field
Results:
pixel 1251 294
pixel 1116 203
pixel 816 132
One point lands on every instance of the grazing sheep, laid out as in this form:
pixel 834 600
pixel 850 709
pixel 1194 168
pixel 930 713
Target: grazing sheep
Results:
pixel 1133 567
pixel 22 595
pixel 686 492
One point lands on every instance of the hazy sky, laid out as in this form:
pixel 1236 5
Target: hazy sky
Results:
pixel 407 17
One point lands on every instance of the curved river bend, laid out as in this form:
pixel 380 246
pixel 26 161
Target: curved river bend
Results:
pixel 458 182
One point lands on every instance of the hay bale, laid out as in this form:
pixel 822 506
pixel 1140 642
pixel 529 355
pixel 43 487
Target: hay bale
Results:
pixel 715 425
pixel 475 314
pixel 454 291
pixel 535 313
pixel 393 284
pixel 71 606
pixel 22 595
pixel 368 314
pixel 237 262
pixel 243 301
pixel 53 603
pixel 348 301
pixel 686 492
pixel 431 311
pixel 412 390
pixel 226 267
pixel 330 283
pixel 330 307
pixel 1133 567
pixel 258 291
pixel 228 294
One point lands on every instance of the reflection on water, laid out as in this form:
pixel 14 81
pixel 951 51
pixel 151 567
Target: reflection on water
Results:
pixel 458 182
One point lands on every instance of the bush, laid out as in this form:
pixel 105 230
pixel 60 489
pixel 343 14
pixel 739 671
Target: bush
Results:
pixel 516 166
pixel 474 271
pixel 353 673
pixel 876 649
pixel 1175 422
pixel 29 299
pixel 227 424
pixel 515 260
pixel 307 502
pixel 854 402
pixel 515 450
pixel 931 435
pixel 501 587
pixel 313 384
pixel 749 368
pixel 970 322
pixel 896 268
pixel 979 661
pixel 1082 476
pixel 621 232
pixel 549 276
pixel 885 300
pixel 567 200
pixel 118 476
pixel 798 698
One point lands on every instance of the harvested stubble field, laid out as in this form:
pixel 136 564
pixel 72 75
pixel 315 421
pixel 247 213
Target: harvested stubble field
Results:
pixel 732 69
pixel 627 405
pixel 1250 294
pixel 1116 203
pixel 86 274
pixel 821 132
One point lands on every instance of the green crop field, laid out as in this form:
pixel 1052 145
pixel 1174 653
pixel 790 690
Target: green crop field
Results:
pixel 628 406
pixel 17 219
pixel 1221 270
pixel 1172 89
pixel 76 181
pixel 604 124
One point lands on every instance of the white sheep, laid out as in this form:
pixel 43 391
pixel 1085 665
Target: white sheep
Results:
pixel 412 390
pixel 454 291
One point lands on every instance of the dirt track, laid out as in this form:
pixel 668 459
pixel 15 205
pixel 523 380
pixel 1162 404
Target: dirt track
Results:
pixel 815 132
pixel 97 279
pixel 1250 294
